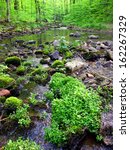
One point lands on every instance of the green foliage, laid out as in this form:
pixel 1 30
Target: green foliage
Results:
pixel 6 81
pixel 2 99
pixel 68 54
pixel 13 102
pixel 49 95
pixel 74 109
pixel 39 75
pixel 99 137
pixel 57 63
pixel 21 116
pixel 21 144
pixel 13 60
pixel 32 99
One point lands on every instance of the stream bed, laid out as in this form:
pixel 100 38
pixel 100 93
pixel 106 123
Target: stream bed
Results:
pixel 36 131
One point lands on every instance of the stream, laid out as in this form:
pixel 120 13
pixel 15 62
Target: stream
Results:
pixel 36 131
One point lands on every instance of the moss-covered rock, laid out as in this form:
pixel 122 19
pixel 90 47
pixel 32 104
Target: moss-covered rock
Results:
pixel 13 102
pixel 13 60
pixel 21 70
pixel 57 63
pixel 6 81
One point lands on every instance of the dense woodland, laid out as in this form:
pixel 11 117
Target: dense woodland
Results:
pixel 83 13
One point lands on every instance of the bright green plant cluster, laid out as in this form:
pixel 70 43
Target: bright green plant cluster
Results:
pixel 21 144
pixel 21 70
pixel 13 102
pixel 13 60
pixel 6 81
pixel 57 63
pixel 74 109
pixel 21 116
pixel 32 99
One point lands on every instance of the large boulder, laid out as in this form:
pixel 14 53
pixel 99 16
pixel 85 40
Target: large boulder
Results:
pixel 75 64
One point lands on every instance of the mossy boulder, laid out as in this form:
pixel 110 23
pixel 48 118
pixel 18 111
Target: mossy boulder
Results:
pixel 13 60
pixel 6 81
pixel 13 102
pixel 21 70
pixel 57 63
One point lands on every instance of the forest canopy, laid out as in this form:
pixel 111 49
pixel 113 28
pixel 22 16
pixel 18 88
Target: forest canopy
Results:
pixel 83 13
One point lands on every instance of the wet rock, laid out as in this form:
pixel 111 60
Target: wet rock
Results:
pixel 109 55
pixel 75 64
pixel 93 37
pixel 31 42
pixel 108 64
pixel 45 60
pixel 106 129
pixel 77 34
pixel 108 43
pixel 55 55
pixel 56 43
pixel 4 92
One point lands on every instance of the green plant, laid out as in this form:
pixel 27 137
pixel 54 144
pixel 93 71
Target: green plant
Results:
pixel 32 99
pixel 49 95
pixel 21 116
pixel 78 107
pixel 68 54
pixel 3 68
pixel 13 60
pixel 57 63
pixel 99 137
pixel 6 81
pixel 21 144
pixel 13 102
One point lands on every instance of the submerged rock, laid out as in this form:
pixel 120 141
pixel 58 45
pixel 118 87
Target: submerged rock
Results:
pixel 75 64
pixel 31 42
pixel 77 34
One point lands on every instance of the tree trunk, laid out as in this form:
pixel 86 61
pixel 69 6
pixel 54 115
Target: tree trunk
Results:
pixel 7 11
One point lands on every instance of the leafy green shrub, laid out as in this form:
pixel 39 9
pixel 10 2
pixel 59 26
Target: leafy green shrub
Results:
pixel 2 99
pixel 6 81
pixel 57 63
pixel 21 70
pixel 13 60
pixel 13 102
pixel 74 109
pixel 21 144
pixel 21 116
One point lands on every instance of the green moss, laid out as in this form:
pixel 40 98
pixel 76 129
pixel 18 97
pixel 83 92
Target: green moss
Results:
pixel 21 70
pixel 57 63
pixel 13 102
pixel 3 68
pixel 78 107
pixel 14 60
pixel 68 54
pixel 6 81
pixel 21 144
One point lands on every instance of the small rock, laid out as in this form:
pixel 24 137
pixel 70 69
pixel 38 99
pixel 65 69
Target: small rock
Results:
pixel 19 41
pixel 4 92
pixel 56 43
pixel 92 49
pixel 109 55
pixel 55 55
pixel 77 34
pixel 93 37
pixel 74 65
pixel 89 75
